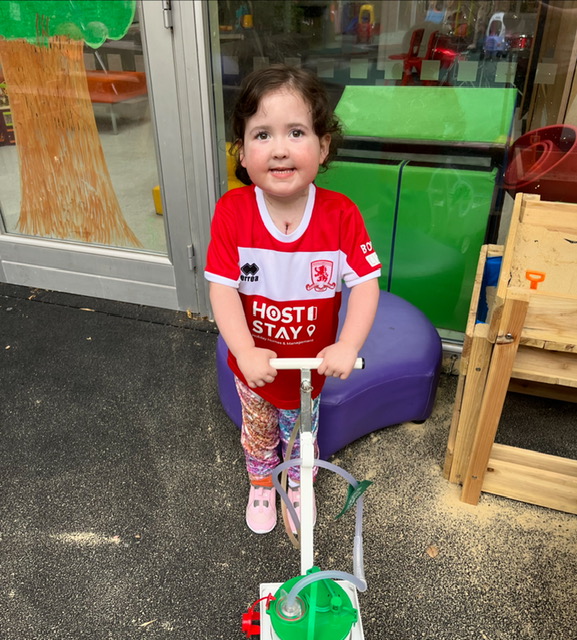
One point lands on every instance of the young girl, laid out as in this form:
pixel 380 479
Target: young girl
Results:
pixel 279 251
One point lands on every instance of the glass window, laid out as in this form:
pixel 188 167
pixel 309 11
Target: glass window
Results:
pixel 431 95
pixel 444 43
pixel 77 157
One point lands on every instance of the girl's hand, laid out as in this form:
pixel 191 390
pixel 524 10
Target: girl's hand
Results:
pixel 338 360
pixel 255 366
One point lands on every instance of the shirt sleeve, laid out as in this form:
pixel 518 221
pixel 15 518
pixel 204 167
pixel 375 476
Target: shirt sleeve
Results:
pixel 222 259
pixel 361 261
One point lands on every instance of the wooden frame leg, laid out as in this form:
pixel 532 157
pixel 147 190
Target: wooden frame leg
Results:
pixel 504 351
pixel 454 428
pixel 475 382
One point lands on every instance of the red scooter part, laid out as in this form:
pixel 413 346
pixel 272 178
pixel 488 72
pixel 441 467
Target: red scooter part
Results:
pixel 251 619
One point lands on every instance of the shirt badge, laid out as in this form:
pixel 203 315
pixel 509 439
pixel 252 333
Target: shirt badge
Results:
pixel 321 276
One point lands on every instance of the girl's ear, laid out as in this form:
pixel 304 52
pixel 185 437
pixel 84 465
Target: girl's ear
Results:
pixel 235 151
pixel 325 145
pixel 241 155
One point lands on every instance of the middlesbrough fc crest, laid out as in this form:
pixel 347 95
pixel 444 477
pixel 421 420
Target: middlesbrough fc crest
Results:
pixel 321 276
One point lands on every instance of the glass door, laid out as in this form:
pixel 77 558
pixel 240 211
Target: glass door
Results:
pixel 92 177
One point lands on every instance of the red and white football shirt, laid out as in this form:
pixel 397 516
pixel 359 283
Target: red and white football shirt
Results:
pixel 289 285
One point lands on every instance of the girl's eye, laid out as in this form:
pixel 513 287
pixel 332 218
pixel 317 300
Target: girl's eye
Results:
pixel 297 133
pixel 261 135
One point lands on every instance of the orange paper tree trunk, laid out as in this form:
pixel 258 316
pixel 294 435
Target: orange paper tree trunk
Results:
pixel 65 185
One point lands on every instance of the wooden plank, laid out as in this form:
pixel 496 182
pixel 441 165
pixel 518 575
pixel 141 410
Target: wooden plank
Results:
pixel 554 216
pixel 476 292
pixel 472 332
pixel 551 319
pixel 533 342
pixel 495 250
pixel 495 320
pixel 540 365
pixel 508 253
pixel 504 352
pixel 567 347
pixel 546 242
pixel 549 345
pixel 532 477
pixel 471 403
pixel 543 390
pixel 453 429
pixel 487 250
pixel 535 461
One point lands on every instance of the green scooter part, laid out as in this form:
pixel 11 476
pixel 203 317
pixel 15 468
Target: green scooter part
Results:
pixel 326 611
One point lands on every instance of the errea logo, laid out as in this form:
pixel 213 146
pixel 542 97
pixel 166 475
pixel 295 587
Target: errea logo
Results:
pixel 248 272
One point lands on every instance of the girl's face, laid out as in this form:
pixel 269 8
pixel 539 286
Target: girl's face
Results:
pixel 281 151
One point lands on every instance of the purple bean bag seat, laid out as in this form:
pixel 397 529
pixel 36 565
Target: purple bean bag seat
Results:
pixel 402 364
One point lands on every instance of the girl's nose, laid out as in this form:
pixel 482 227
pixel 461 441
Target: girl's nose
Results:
pixel 280 149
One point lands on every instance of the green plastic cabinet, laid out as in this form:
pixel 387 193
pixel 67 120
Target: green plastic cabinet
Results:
pixel 422 164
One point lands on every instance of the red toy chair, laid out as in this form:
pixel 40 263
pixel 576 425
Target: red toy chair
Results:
pixel 429 55
pixel 411 58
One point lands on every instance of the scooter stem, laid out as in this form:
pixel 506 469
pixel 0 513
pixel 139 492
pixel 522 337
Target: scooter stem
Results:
pixel 307 451
pixel 308 456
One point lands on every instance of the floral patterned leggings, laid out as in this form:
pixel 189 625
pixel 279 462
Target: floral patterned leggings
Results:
pixel 263 427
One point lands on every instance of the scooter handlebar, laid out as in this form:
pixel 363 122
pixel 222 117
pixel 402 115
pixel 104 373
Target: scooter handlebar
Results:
pixel 306 363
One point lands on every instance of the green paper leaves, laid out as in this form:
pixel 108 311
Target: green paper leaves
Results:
pixel 353 495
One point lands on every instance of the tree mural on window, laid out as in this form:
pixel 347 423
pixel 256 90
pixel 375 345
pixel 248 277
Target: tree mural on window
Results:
pixel 66 190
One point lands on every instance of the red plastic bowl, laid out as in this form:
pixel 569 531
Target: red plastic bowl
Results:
pixel 544 161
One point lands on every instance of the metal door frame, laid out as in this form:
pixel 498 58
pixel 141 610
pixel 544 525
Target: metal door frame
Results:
pixel 180 108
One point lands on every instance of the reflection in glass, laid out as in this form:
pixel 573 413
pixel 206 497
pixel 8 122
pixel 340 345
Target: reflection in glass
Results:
pixel 392 42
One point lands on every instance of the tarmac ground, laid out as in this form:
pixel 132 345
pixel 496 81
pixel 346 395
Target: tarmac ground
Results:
pixel 123 493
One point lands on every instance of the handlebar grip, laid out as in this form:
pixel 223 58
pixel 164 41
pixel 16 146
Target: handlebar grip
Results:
pixel 306 363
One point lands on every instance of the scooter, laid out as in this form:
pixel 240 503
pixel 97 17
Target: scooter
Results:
pixel 316 605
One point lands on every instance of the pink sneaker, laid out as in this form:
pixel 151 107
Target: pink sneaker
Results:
pixel 295 497
pixel 261 509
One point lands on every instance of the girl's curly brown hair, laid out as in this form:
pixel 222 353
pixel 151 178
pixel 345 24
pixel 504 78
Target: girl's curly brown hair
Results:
pixel 279 76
